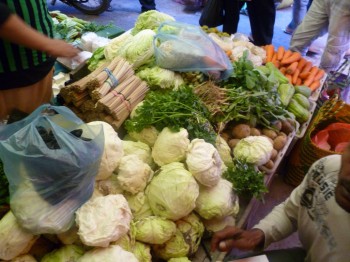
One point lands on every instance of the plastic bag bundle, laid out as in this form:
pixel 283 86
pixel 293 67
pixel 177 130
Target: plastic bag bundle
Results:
pixel 51 159
pixel 183 47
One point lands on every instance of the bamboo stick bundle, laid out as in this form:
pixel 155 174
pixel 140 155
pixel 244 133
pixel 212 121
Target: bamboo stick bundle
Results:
pixel 79 103
pixel 75 96
pixel 126 92
pixel 101 78
pixel 65 93
pixel 116 93
pixel 121 72
pixel 124 109
pixel 88 105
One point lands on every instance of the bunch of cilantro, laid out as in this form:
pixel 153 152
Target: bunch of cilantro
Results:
pixel 174 109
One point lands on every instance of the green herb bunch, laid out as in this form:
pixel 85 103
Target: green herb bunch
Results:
pixel 246 180
pixel 173 109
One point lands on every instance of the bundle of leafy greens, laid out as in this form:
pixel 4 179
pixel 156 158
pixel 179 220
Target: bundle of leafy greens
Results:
pixel 246 180
pixel 4 186
pixel 173 109
pixel 252 95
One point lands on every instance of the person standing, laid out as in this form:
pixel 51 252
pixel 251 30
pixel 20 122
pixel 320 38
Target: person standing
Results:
pixel 299 10
pixel 261 14
pixel 325 15
pixel 28 54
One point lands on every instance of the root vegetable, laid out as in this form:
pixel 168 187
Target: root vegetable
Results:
pixel 241 131
pixel 233 142
pixel 269 133
pixel 274 155
pixel 255 132
pixel 279 142
pixel 287 127
pixel 270 164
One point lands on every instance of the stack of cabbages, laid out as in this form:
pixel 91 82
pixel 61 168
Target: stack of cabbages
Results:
pixel 155 195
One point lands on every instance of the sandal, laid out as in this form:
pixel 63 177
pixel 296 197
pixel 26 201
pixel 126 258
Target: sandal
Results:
pixel 288 31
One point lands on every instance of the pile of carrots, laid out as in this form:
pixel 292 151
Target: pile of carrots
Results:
pixel 297 69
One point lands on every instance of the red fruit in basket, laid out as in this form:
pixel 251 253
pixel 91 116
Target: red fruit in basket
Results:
pixel 321 140
pixel 340 147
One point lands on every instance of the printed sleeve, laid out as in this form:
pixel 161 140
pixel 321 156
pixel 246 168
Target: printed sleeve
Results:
pixel 5 12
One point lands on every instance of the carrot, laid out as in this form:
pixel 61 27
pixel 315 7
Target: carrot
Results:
pixel 291 68
pixel 314 70
pixel 276 63
pixel 314 85
pixel 289 77
pixel 301 64
pixel 286 54
pixel 295 76
pixel 309 80
pixel 304 75
pixel 299 81
pixel 307 67
pixel 283 70
pixel 320 74
pixel 280 53
pixel 295 57
pixel 270 50
pixel 274 57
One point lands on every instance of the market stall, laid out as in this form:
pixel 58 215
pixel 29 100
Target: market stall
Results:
pixel 195 125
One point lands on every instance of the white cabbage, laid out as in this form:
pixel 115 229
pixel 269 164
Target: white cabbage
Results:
pixel 154 230
pixel 217 201
pixel 139 205
pixel 170 146
pixel 254 149
pixel 142 252
pixel 133 174
pixel 172 193
pixel 148 135
pixel 112 253
pixel 111 49
pixel 70 237
pixel 142 150
pixel 204 162
pixel 103 220
pixel 24 258
pixel 112 153
pixel 224 151
pixel 109 186
pixel 150 20
pixel 14 240
pixel 217 224
pixel 65 253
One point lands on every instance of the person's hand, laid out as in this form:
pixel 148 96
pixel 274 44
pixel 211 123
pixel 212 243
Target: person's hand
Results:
pixel 59 48
pixel 233 237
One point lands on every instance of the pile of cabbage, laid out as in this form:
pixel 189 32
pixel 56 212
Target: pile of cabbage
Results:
pixel 155 193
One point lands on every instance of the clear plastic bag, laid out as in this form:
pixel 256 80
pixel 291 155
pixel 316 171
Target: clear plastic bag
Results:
pixel 183 47
pixel 51 159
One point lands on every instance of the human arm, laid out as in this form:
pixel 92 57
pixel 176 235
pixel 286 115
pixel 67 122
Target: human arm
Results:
pixel 15 30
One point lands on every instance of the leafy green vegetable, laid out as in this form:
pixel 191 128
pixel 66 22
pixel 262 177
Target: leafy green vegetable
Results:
pixel 246 180
pixel 4 186
pixel 173 109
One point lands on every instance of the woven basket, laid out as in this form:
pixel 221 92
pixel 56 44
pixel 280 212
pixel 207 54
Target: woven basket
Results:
pixel 305 152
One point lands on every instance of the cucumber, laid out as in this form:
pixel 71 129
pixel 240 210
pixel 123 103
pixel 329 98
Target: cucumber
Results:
pixel 304 90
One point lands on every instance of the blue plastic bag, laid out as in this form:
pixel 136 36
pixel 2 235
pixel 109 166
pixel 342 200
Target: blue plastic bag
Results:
pixel 184 48
pixel 51 159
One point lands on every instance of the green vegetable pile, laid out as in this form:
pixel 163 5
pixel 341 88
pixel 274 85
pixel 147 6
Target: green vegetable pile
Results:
pixel 173 109
pixel 4 186
pixel 246 180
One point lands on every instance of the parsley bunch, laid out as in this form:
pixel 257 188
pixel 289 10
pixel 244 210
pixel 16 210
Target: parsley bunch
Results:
pixel 173 109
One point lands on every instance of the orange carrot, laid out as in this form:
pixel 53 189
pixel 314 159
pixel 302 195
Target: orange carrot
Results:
pixel 291 68
pixel 289 77
pixel 314 85
pixel 309 80
pixel 283 70
pixel 320 74
pixel 274 57
pixel 295 57
pixel 299 81
pixel 307 67
pixel 280 53
pixel 276 63
pixel 301 64
pixel 270 50
pixel 295 76
pixel 304 75
pixel 314 70
pixel 286 54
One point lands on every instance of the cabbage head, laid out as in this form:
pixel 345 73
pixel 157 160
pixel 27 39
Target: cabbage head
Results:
pixel 224 151
pixel 111 49
pixel 109 186
pixel 157 77
pixel 154 230
pixel 138 50
pixel 139 205
pixel 175 247
pixel 192 229
pixel 103 219
pixel 217 201
pixel 172 193
pixel 65 253
pixel 24 258
pixel 254 150
pixel 142 150
pixel 148 135
pixel 170 146
pixel 150 20
pixel 108 254
pixel 217 224
pixel 204 162
pixel 133 174
pixel 141 251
